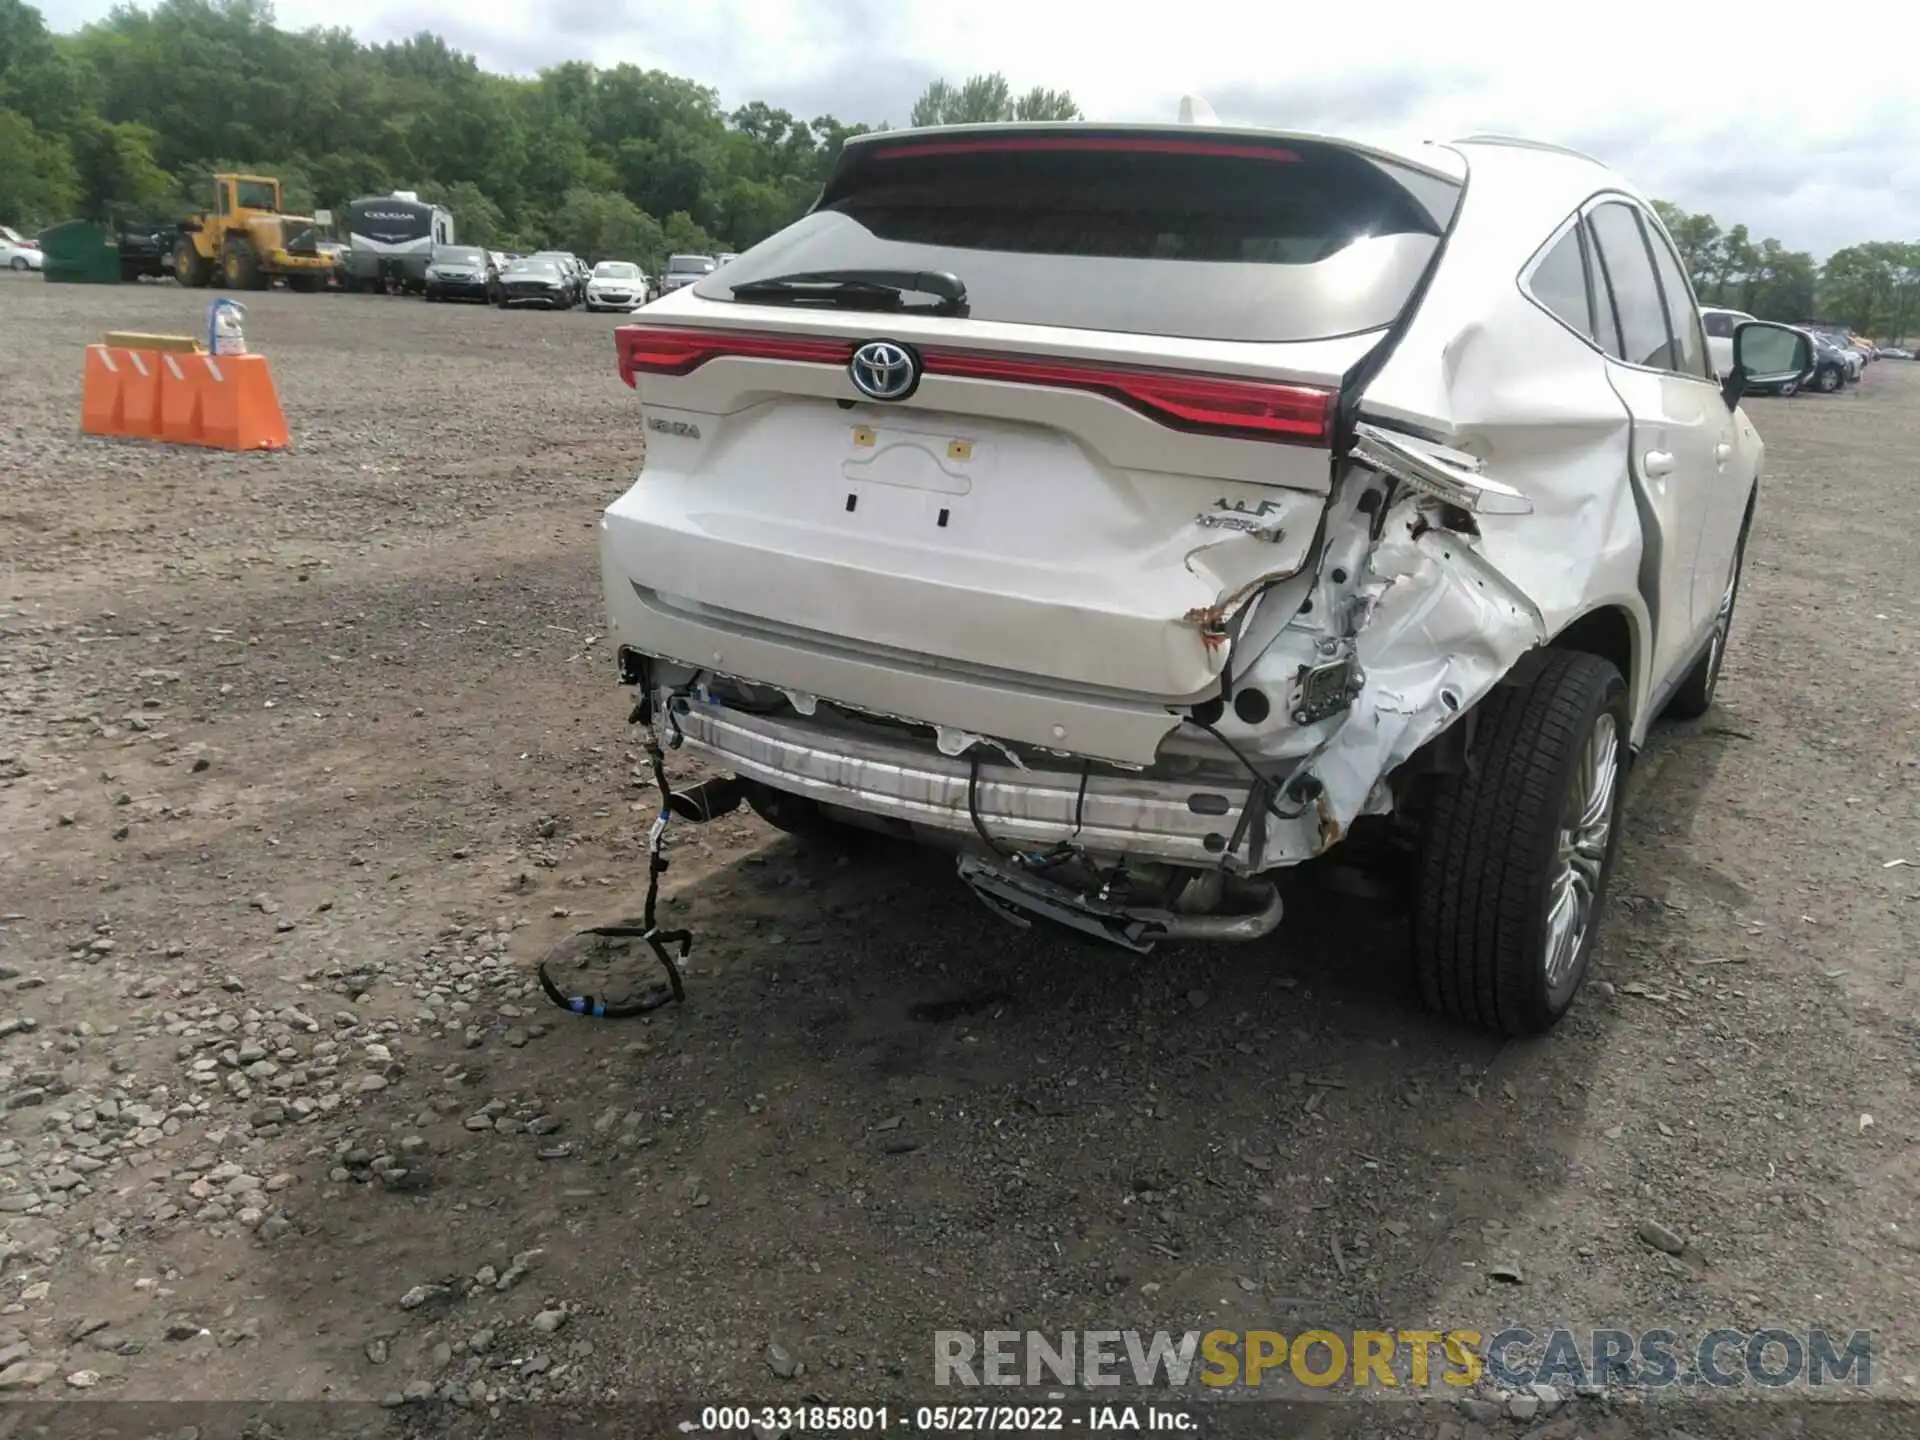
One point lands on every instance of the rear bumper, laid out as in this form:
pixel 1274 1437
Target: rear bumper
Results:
pixel 1187 822
pixel 882 683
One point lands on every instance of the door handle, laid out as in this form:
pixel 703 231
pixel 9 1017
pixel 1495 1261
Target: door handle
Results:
pixel 1722 453
pixel 1658 464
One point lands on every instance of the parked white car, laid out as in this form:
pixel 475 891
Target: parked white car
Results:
pixel 17 252
pixel 616 285
pixel 1720 325
pixel 1141 555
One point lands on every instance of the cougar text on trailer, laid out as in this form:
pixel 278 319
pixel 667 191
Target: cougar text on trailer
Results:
pixel 391 238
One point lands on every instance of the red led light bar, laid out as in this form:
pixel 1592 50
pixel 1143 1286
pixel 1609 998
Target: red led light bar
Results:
pixel 649 350
pixel 1085 144
pixel 1251 409
pixel 1207 404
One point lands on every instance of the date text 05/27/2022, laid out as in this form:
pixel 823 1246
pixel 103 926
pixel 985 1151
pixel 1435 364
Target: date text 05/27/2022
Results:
pixel 852 1420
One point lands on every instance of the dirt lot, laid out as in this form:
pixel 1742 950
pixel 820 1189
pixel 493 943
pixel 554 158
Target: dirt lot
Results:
pixel 305 759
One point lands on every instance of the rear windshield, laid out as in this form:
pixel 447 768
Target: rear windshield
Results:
pixel 1222 238
pixel 690 264
pixel 533 267
pixel 615 270
pixel 457 255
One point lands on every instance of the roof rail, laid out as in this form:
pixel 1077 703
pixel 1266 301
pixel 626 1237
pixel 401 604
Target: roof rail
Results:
pixel 1519 143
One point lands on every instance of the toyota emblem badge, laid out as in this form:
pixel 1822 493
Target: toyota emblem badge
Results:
pixel 883 370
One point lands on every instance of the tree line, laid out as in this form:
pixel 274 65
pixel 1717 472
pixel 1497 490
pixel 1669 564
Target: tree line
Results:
pixel 128 117
pixel 1874 288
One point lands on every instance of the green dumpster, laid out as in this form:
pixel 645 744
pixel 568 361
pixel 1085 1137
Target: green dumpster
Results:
pixel 81 252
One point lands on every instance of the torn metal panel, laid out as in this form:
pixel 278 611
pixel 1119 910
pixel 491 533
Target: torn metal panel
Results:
pixel 1446 474
pixel 1441 626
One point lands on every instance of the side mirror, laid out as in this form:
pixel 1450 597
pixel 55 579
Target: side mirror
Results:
pixel 1765 354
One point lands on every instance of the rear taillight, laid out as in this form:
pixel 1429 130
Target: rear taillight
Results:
pixel 1249 409
pixel 1203 404
pixel 644 350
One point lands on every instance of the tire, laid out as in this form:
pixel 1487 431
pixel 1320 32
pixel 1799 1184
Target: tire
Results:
pixel 18 264
pixel 1499 842
pixel 190 267
pixel 1787 388
pixel 1828 379
pixel 1695 695
pixel 240 268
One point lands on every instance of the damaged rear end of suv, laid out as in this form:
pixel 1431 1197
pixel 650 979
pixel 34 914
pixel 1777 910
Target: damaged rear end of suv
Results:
pixel 1134 510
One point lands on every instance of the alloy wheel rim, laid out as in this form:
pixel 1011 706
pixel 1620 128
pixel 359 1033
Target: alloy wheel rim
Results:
pixel 1722 623
pixel 1580 852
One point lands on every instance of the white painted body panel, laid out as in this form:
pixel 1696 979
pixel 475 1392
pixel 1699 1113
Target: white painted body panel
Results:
pixel 1053 609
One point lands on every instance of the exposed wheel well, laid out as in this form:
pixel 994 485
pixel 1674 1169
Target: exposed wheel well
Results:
pixel 1607 633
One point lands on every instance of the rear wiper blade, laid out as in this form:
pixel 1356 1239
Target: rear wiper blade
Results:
pixel 860 289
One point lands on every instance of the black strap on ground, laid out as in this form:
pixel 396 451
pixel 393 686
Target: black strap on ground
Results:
pixel 647 928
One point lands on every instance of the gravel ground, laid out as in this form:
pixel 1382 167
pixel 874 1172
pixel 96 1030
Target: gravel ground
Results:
pixel 305 759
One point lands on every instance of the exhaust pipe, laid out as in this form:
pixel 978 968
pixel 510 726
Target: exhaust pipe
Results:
pixel 1022 898
pixel 708 800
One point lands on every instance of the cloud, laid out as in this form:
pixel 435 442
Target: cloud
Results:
pixel 1389 96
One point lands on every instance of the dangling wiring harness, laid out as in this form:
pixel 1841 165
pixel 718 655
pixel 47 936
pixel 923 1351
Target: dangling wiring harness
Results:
pixel 647 928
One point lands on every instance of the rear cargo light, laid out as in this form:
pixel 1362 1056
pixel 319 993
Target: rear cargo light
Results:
pixel 645 350
pixel 1249 409
pixel 1084 144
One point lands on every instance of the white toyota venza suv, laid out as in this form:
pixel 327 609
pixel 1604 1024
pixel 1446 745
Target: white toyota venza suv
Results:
pixel 1140 510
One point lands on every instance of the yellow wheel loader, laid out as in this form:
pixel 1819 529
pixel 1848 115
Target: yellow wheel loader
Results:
pixel 245 242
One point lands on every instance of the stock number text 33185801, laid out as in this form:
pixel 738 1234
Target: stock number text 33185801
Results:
pixel 801 1419
pixel 879 1419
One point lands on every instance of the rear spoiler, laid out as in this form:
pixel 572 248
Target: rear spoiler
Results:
pixel 863 159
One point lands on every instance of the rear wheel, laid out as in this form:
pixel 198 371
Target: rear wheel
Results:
pixel 1828 380
pixel 1695 695
pixel 1788 387
pixel 1517 850
pixel 19 262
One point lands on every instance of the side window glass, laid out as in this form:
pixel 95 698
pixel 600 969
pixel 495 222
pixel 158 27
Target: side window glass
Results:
pixel 1604 314
pixel 1719 325
pixel 1636 293
pixel 1683 316
pixel 1559 282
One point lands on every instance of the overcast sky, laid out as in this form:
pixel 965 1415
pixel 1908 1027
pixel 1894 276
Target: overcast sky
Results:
pixel 1805 126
